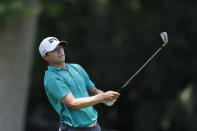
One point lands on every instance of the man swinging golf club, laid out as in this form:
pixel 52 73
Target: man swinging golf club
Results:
pixel 70 91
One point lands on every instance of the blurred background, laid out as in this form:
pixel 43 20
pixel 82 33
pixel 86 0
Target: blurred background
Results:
pixel 111 39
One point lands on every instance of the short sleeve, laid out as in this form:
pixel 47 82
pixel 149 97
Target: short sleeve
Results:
pixel 89 83
pixel 57 88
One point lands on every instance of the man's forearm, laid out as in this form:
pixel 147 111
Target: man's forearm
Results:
pixel 87 101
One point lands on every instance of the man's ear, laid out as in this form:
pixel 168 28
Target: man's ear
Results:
pixel 45 58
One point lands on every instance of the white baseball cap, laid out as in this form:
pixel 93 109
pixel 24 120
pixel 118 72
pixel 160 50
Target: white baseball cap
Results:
pixel 49 44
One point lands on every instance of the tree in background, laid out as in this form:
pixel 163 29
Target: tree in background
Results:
pixel 18 22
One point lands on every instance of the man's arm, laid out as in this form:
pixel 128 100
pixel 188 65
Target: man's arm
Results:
pixel 78 103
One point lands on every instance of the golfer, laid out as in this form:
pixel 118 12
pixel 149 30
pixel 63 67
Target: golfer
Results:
pixel 70 91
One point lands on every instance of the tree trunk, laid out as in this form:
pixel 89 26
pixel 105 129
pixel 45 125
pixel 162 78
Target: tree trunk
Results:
pixel 16 45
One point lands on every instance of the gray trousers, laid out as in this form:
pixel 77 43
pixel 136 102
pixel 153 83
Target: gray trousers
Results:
pixel 65 127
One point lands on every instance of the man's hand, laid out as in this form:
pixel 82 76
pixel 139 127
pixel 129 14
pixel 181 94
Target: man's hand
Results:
pixel 95 91
pixel 110 96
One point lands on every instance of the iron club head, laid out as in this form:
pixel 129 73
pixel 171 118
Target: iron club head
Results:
pixel 164 37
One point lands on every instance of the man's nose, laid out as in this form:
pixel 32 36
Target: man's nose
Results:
pixel 59 50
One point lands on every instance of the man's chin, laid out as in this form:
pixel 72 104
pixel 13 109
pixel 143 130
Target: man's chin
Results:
pixel 62 60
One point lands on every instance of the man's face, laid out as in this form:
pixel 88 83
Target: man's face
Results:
pixel 56 56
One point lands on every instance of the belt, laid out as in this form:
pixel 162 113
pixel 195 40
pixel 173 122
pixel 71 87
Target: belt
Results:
pixel 93 124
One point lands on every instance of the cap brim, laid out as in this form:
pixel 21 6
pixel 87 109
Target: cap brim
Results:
pixel 63 42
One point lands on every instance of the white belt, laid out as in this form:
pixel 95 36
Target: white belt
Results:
pixel 92 124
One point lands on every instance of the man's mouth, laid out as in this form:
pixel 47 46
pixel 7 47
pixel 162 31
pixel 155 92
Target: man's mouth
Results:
pixel 61 55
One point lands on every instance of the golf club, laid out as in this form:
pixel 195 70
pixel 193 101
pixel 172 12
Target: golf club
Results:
pixel 164 37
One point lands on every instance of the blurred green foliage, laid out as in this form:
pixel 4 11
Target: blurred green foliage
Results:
pixel 111 39
pixel 12 10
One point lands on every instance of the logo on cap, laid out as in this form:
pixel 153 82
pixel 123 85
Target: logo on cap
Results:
pixel 52 39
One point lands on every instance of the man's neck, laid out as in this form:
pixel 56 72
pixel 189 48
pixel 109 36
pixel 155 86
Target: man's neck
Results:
pixel 63 65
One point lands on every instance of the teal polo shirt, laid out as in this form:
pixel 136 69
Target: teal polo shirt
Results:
pixel 58 82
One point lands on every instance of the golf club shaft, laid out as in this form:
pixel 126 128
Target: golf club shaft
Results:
pixel 138 71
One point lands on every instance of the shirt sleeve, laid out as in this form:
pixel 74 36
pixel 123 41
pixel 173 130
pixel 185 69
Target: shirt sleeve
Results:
pixel 57 88
pixel 89 83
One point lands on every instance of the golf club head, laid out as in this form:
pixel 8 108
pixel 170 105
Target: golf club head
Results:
pixel 164 37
